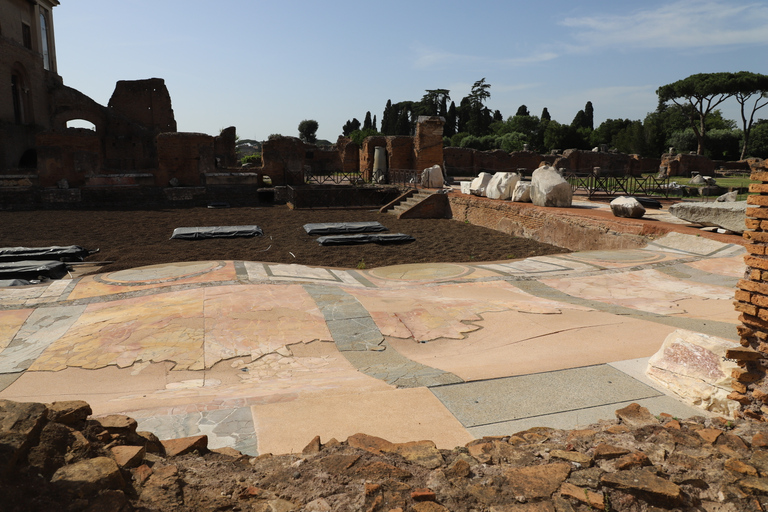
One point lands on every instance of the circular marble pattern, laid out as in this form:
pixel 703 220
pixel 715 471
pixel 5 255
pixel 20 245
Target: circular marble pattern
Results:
pixel 157 274
pixel 421 272
pixel 638 257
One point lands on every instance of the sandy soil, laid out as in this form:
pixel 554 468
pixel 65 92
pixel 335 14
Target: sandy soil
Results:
pixel 129 238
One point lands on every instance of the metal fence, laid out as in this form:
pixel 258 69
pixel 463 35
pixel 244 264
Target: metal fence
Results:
pixel 332 178
pixel 340 196
pixel 404 177
pixel 596 183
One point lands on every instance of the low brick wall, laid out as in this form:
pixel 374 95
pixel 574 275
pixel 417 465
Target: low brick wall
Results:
pixel 749 383
pixel 563 227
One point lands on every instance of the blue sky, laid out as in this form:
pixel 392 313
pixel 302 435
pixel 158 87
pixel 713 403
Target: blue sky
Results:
pixel 265 66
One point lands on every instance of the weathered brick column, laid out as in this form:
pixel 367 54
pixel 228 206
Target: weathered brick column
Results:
pixel 428 142
pixel 750 386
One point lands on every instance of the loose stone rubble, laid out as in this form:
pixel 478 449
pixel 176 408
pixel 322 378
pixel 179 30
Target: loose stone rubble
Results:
pixel 627 207
pixel 56 457
pixel 480 184
pixel 694 366
pixel 522 192
pixel 726 215
pixel 502 185
pixel 549 188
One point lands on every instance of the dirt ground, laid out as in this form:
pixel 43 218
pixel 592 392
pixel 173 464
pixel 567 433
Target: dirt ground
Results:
pixel 129 238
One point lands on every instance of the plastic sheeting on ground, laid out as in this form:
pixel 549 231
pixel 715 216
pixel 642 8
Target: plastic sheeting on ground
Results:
pixel 216 232
pixel 365 238
pixel 32 270
pixel 336 228
pixel 55 252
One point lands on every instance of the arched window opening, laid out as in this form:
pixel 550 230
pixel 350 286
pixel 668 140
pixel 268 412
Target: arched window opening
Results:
pixel 81 123
pixel 17 90
pixel 23 112
pixel 28 160
pixel 44 40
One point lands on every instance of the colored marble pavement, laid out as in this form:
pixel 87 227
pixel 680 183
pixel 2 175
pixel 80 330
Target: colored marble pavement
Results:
pixel 263 356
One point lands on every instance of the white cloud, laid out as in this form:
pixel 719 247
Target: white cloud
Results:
pixel 429 58
pixel 681 24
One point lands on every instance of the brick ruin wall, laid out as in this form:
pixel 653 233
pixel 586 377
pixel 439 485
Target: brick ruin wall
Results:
pixel 470 162
pixel 399 149
pixel 428 142
pixel 349 155
pixel 183 157
pixel 144 102
pixel 750 386
pixel 549 225
pixel 224 148
pixel 367 152
pixel 72 155
pixel 685 165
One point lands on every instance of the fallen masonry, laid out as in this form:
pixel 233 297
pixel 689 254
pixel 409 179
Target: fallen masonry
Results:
pixel 57 457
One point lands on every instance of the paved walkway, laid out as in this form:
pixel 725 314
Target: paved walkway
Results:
pixel 263 356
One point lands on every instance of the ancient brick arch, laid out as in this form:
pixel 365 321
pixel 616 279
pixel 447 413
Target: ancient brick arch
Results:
pixel 69 104
pixel 61 119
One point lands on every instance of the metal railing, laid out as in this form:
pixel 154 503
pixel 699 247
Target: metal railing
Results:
pixel 404 177
pixel 332 178
pixel 340 196
pixel 596 183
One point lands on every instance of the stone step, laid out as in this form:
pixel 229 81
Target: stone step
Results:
pixel 409 203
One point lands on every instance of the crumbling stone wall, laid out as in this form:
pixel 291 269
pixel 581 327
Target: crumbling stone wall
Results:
pixel 183 157
pixel 128 144
pixel 283 160
pixel 494 161
pixel 470 162
pixel 459 161
pixel 146 102
pixel 530 160
pixel 576 160
pixel 750 386
pixel 400 153
pixel 349 154
pixel 224 148
pixel 71 155
pixel 684 165
pixel 428 142
pixel 366 155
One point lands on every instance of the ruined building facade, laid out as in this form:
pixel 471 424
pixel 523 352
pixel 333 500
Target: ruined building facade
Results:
pixel 28 70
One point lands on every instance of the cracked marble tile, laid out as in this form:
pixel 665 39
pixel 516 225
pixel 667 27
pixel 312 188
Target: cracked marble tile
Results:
pixel 142 278
pixel 10 323
pixel 162 327
pixel 447 311
pixel 42 328
pixel 257 320
pixel 646 290
pixel 732 267
pixel 224 427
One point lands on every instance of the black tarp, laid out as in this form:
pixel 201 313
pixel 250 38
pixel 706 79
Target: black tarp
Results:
pixel 32 269
pixel 649 202
pixel 216 232
pixel 365 238
pixel 61 253
pixel 337 228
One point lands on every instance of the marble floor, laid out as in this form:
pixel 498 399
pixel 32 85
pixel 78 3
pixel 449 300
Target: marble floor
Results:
pixel 263 356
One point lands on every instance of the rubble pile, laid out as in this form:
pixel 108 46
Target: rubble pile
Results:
pixel 57 457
